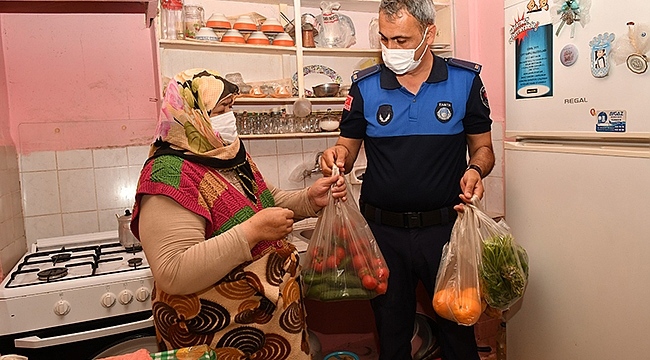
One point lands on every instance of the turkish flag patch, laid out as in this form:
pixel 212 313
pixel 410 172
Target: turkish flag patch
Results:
pixel 348 103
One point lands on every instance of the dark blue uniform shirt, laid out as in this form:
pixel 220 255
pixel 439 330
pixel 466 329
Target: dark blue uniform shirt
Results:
pixel 415 144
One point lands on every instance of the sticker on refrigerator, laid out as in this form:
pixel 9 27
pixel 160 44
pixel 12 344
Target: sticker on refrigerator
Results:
pixel 534 63
pixel 610 120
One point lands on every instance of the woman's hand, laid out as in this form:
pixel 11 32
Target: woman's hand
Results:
pixel 268 224
pixel 319 192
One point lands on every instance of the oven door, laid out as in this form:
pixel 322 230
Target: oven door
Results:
pixel 84 340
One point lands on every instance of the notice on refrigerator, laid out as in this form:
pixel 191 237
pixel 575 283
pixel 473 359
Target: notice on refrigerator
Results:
pixel 610 120
pixel 534 62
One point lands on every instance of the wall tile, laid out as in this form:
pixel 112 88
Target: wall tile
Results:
pixel 497 131
pixel 3 157
pixel 40 193
pixel 114 188
pixel 110 157
pixel 136 155
pixel 38 161
pixel 498 158
pixel 494 195
pixel 286 164
pixel 74 159
pixel 289 146
pixel 39 227
pixel 108 220
pixel 268 166
pixel 80 223
pixel 262 148
pixel 314 145
pixel 77 190
pixel 10 255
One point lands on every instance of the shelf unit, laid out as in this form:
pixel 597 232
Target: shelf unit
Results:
pixel 147 7
pixel 259 63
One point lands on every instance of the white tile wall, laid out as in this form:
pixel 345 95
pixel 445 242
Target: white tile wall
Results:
pixel 12 230
pixel 80 191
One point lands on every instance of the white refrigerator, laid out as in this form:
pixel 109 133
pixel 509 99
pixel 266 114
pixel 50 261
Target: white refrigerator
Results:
pixel 577 176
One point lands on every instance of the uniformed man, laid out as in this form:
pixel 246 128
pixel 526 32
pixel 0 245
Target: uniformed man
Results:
pixel 419 116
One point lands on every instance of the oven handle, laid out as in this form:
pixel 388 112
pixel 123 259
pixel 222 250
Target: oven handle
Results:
pixel 35 342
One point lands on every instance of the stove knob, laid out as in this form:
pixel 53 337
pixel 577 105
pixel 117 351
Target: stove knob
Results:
pixel 108 300
pixel 62 307
pixel 126 296
pixel 142 294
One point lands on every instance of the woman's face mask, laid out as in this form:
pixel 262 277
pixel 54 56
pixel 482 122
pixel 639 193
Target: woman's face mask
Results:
pixel 401 61
pixel 226 126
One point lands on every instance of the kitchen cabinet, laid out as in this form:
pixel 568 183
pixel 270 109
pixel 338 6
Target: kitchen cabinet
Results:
pixel 258 63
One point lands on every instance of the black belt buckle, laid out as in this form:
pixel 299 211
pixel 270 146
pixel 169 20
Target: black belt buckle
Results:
pixel 412 219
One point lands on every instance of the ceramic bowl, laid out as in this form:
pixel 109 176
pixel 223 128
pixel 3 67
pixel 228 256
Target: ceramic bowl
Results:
pixel 218 21
pixel 233 36
pixel 206 33
pixel 258 38
pixel 245 23
pixel 283 39
pixel 272 25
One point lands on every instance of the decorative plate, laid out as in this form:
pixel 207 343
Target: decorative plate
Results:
pixel 315 70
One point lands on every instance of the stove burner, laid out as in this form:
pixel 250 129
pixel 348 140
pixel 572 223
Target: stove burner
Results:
pixel 52 273
pixel 133 249
pixel 135 262
pixel 60 258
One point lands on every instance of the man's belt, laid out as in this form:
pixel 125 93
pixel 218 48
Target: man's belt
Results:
pixel 408 220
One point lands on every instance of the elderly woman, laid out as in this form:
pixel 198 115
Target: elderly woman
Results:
pixel 214 232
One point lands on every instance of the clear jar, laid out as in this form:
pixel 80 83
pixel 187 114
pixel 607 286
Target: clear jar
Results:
pixel 172 20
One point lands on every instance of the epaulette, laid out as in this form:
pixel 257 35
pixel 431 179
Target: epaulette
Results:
pixel 464 64
pixel 362 74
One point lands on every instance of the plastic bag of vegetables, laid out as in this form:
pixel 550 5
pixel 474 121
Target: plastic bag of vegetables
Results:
pixel 504 272
pixel 457 294
pixel 343 258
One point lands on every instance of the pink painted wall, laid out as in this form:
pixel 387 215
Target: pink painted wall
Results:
pixel 79 80
pixel 479 38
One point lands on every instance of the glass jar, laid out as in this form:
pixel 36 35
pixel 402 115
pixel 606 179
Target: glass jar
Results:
pixel 172 19
pixel 194 20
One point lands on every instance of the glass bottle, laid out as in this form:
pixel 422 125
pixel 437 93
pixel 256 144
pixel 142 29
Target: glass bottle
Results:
pixel 501 341
pixel 172 19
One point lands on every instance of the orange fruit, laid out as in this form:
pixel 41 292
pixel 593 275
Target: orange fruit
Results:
pixel 467 308
pixel 443 301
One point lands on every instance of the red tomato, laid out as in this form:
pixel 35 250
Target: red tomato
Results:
pixel 340 253
pixel 317 265
pixel 358 261
pixel 369 282
pixel 332 261
pixel 316 251
pixel 381 288
pixel 343 233
pixel 381 273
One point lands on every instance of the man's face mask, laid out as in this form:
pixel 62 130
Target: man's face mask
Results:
pixel 401 61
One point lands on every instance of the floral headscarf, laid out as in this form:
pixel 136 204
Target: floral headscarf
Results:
pixel 184 121
pixel 184 127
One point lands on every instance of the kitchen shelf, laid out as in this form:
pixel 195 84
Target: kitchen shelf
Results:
pixel 291 135
pixel 191 44
pixel 147 7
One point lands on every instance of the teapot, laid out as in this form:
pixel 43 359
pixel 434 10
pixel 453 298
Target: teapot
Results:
pixel 126 237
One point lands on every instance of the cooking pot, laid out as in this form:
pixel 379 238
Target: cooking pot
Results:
pixel 126 237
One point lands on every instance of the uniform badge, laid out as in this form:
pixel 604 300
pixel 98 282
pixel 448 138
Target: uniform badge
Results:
pixel 384 114
pixel 444 111
pixel 484 97
pixel 348 102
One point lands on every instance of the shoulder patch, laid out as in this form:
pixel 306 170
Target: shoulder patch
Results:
pixel 468 65
pixel 362 74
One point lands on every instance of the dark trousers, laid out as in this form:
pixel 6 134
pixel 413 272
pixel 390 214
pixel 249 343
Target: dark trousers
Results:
pixel 413 255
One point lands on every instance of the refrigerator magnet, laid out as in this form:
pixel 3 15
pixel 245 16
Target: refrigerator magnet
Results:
pixel 570 13
pixel 569 55
pixel 600 48
pixel 632 48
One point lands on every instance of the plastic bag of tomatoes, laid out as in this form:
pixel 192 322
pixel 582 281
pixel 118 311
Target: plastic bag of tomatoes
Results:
pixel 343 259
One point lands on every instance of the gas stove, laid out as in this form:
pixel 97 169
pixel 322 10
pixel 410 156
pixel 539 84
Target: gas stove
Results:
pixel 78 279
